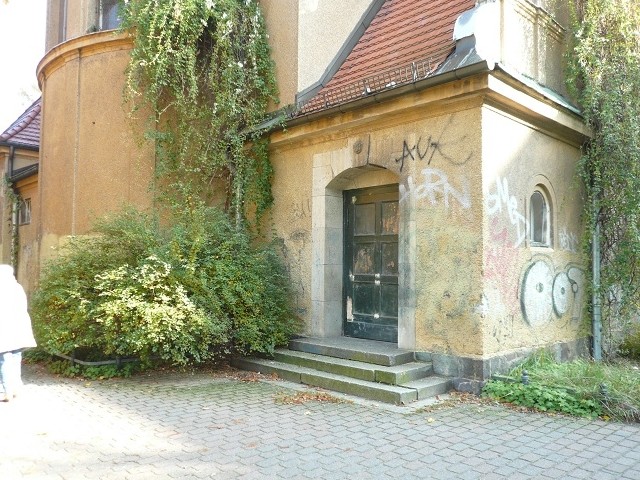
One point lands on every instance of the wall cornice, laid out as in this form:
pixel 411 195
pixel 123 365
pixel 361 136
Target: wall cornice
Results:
pixel 80 47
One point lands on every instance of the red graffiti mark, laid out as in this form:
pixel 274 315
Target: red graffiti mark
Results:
pixel 501 266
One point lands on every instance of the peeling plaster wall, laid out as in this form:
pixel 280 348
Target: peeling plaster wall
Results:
pixel 433 153
pixel 532 296
pixel 466 160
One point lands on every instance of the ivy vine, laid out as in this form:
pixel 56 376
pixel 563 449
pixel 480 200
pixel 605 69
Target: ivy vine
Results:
pixel 202 69
pixel 604 75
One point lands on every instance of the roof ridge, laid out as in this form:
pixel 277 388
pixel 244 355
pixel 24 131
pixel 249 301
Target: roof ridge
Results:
pixel 23 120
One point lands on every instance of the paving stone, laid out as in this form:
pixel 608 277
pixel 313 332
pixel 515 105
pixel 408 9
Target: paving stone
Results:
pixel 199 426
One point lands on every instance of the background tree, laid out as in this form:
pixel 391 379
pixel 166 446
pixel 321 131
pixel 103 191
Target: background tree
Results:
pixel 605 79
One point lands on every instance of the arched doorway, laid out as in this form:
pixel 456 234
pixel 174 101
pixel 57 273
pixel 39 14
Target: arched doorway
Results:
pixel 335 180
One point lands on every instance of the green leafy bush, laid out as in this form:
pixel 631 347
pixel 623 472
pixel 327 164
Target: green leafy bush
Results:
pixel 614 387
pixel 194 291
pixel 543 398
pixel 630 346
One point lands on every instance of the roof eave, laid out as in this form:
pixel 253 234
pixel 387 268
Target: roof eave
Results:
pixel 468 70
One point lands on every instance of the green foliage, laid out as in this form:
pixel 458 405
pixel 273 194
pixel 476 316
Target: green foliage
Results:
pixel 630 346
pixel 97 372
pixel 545 399
pixel 583 380
pixel 203 70
pixel 605 78
pixel 188 293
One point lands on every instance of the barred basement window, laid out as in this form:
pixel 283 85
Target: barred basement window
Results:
pixel 539 220
pixel 24 212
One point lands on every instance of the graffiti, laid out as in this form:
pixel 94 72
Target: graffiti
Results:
pixel 301 209
pixel 568 241
pixel 436 187
pixel 577 278
pixel 544 294
pixel 427 148
pixel 501 265
pixel 501 202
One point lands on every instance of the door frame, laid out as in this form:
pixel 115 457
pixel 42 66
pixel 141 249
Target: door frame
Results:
pixel 334 172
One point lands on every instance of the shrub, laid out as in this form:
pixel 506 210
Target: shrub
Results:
pixel 543 398
pixel 630 346
pixel 613 387
pixel 186 294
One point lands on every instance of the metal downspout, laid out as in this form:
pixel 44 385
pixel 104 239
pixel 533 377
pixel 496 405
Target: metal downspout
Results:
pixel 597 304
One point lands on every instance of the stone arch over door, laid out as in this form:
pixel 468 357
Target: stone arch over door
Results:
pixel 334 173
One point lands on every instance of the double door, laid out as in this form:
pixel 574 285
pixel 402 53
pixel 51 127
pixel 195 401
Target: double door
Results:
pixel 371 264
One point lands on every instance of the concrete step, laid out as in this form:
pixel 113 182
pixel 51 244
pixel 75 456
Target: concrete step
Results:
pixel 430 387
pixel 368 351
pixel 399 395
pixel 395 375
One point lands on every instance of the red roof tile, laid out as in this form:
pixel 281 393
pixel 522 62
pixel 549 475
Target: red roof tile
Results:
pixel 25 131
pixel 407 40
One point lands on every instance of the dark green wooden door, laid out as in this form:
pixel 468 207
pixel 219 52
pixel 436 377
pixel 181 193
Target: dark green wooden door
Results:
pixel 371 263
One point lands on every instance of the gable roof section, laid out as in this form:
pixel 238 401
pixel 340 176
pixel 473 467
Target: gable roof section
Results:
pixel 25 131
pixel 406 41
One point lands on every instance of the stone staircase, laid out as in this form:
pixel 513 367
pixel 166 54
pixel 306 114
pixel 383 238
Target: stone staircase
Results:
pixel 373 370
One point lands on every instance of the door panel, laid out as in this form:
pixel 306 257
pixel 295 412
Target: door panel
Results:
pixel 371 263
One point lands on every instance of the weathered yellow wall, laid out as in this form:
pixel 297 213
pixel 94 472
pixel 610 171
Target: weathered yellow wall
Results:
pixel 324 26
pixel 463 251
pixel 517 157
pixel 534 40
pixel 281 18
pixel 430 149
pixel 28 249
pixel 92 157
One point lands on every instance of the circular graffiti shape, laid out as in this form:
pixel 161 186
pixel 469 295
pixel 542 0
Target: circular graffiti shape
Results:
pixel 562 292
pixel 537 297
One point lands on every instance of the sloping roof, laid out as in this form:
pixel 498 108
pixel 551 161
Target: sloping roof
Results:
pixel 25 131
pixel 406 41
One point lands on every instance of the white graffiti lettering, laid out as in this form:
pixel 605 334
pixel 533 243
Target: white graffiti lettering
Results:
pixel 501 201
pixel 568 241
pixel 435 187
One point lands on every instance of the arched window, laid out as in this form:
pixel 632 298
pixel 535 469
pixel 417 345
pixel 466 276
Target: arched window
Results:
pixel 539 220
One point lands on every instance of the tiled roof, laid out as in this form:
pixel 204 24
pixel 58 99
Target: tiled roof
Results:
pixel 25 131
pixel 406 41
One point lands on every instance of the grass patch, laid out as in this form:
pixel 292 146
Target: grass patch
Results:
pixel 581 387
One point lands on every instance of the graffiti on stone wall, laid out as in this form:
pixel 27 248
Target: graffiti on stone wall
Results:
pixel 500 202
pixel 568 241
pixel 435 186
pixel 545 294
pixel 429 147
pixel 502 265
pixel 301 209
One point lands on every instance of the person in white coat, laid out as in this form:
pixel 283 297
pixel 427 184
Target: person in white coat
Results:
pixel 16 333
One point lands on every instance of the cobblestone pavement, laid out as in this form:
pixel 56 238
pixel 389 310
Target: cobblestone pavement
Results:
pixel 193 426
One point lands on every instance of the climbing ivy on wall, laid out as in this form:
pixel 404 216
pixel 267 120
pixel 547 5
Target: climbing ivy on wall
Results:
pixel 605 79
pixel 202 69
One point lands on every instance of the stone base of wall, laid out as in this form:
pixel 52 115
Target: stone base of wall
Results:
pixel 470 374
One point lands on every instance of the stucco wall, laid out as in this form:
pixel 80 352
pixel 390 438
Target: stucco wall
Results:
pixel 534 40
pixel 28 237
pixel 93 159
pixel 533 295
pixel 433 152
pixel 466 160
pixel 324 26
